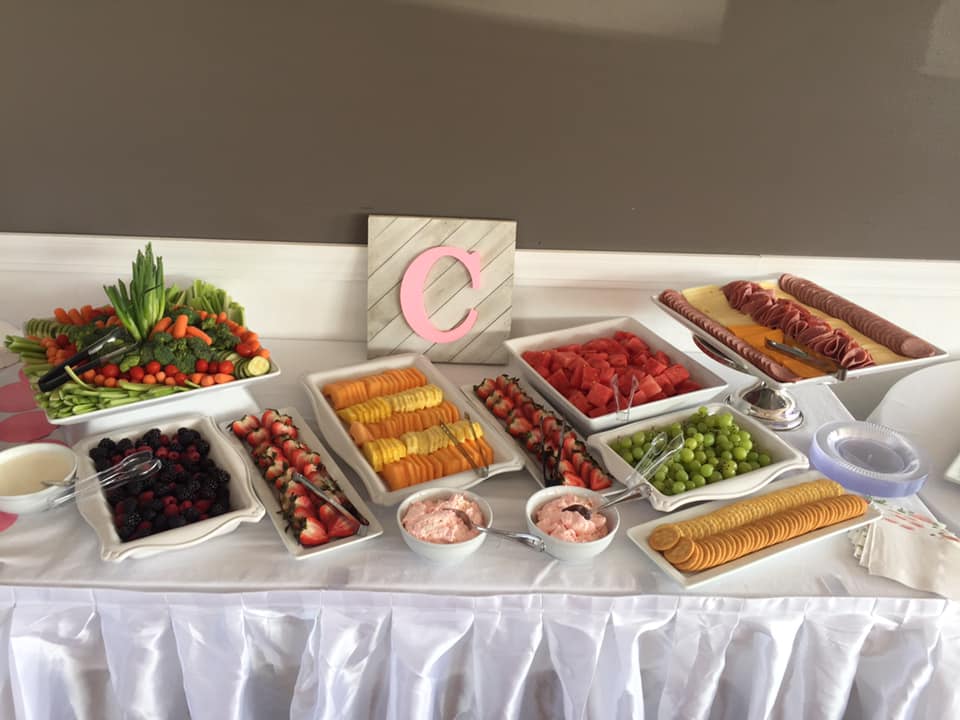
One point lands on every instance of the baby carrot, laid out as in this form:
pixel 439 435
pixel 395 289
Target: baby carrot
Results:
pixel 179 328
pixel 62 316
pixel 86 312
pixel 75 317
pixel 197 332
pixel 161 325
pixel 222 316
pixel 221 378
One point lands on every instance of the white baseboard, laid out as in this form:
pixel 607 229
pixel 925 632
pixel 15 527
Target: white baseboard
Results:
pixel 300 290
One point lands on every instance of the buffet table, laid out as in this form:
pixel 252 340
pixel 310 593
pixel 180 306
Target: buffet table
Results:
pixel 237 628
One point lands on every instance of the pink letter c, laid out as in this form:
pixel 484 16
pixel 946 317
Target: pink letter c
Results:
pixel 411 293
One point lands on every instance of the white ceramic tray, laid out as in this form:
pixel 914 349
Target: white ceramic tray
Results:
pixel 749 368
pixel 530 462
pixel 640 533
pixel 712 384
pixel 203 392
pixel 93 504
pixel 268 496
pixel 506 456
pixel 784 458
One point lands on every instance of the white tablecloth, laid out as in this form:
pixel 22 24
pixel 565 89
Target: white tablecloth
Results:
pixel 375 631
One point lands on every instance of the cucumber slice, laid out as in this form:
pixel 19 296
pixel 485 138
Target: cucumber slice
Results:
pixel 256 366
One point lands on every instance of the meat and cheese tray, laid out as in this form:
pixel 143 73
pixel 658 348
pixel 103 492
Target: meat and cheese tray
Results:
pixel 743 317
pixel 713 540
pixel 553 452
pixel 289 465
pixel 403 427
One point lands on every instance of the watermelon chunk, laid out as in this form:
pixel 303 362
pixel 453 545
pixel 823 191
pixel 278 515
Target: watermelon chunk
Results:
pixel 535 357
pixel 677 374
pixel 649 387
pixel 599 395
pixel 588 377
pixel 558 379
pixel 579 401
pixel 654 367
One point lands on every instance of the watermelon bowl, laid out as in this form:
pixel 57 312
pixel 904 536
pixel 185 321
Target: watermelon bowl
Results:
pixel 613 372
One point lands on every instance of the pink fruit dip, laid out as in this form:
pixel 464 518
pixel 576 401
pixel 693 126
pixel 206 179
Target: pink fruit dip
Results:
pixel 430 521
pixel 571 526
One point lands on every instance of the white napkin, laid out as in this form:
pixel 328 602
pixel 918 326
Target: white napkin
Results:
pixel 910 546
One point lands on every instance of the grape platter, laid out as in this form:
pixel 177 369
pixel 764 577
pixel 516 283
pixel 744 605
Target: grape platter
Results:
pixel 716 448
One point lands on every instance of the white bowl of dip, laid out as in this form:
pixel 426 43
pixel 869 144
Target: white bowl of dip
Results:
pixel 571 551
pixel 433 540
pixel 23 470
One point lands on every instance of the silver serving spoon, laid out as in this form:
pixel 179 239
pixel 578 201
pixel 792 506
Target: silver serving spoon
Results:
pixel 520 537
pixel 651 460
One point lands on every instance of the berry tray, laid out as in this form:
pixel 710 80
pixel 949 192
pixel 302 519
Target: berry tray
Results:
pixel 93 505
pixel 269 498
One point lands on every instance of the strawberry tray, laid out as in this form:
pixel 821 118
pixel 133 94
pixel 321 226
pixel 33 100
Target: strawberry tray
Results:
pixel 269 499
pixel 531 460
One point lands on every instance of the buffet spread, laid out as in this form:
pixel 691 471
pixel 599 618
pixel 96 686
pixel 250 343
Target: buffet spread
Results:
pixel 598 415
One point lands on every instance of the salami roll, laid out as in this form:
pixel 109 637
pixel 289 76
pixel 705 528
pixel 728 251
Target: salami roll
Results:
pixel 678 303
pixel 870 324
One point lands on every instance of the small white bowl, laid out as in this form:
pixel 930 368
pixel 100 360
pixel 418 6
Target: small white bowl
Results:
pixel 23 470
pixel 444 552
pixel 561 549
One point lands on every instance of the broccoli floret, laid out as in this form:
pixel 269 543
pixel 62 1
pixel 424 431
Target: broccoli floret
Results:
pixel 192 316
pixel 199 348
pixel 164 355
pixel 162 338
pixel 222 338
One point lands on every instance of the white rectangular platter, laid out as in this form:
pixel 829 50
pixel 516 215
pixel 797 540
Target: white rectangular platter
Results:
pixel 529 461
pixel 639 534
pixel 269 498
pixel 784 458
pixel 207 393
pixel 712 384
pixel 506 456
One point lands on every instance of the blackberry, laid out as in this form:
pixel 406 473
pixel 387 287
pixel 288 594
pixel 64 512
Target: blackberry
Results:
pixel 208 490
pixel 101 465
pixel 124 445
pixel 175 521
pixel 222 476
pixel 193 487
pixel 161 523
pixel 223 496
pixel 135 487
pixel 191 515
pixel 125 532
pixel 114 497
pixel 203 447
pixel 180 492
pixel 148 513
pixel 157 504
pixel 218 508
pixel 151 438
pixel 128 505
pixel 107 444
pixel 132 520
pixel 175 446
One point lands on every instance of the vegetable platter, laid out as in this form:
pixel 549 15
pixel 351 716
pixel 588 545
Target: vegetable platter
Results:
pixel 148 344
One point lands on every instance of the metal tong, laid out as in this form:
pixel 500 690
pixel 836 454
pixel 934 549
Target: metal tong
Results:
pixel 361 521
pixel 482 470
pixel 89 357
pixel 135 465
pixel 807 357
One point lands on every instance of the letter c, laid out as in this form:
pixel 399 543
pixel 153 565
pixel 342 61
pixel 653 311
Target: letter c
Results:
pixel 411 293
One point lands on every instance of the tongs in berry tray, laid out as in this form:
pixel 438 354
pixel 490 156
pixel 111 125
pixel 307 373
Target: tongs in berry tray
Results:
pixel 110 346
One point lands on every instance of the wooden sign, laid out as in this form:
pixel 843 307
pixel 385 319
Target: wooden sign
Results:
pixel 440 286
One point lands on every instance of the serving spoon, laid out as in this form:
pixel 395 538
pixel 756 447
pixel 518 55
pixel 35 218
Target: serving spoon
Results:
pixel 520 537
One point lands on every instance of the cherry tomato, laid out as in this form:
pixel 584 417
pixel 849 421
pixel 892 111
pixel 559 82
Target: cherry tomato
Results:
pixel 171 370
pixel 63 341
pixel 225 366
pixel 137 373
pixel 180 378
pixel 153 367
pixel 110 370
pixel 212 366
pixel 201 366
pixel 245 349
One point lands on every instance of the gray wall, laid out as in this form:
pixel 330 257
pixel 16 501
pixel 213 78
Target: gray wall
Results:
pixel 805 127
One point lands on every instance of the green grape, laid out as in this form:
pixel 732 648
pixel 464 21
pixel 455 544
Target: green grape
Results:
pixel 690 443
pixel 746 445
pixel 706 469
pixel 709 439
pixel 678 487
pixel 754 465
pixel 660 475
pixel 659 484
pixel 675 429
pixel 744 467
pixel 699 438
pixel 728 469
pixel 752 456
pixel 726 455
pixel 690 431
pixel 681 475
pixel 716 477
pixel 739 453
pixel 627 456
pixel 702 427
pixel 638 452
pixel 625 443
pixel 763 459
pixel 685 455
pixel 700 456
pixel 639 437
pixel 745 436
pixel 698 480
pixel 723 442
pixel 693 466
pixel 689 485
pixel 703 411
pixel 725 420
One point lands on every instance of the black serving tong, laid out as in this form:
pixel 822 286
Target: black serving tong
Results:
pixel 90 357
pixel 550 457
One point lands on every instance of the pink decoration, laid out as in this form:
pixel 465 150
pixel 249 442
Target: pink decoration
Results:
pixel 25 427
pixel 411 293
pixel 6 520
pixel 16 397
